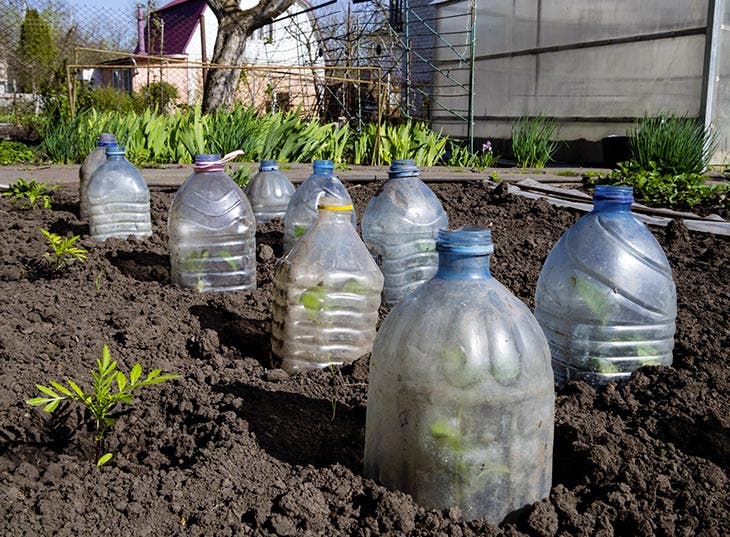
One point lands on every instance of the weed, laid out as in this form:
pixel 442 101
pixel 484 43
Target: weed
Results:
pixel 101 400
pixel 682 191
pixel 460 156
pixel 531 141
pixel 99 280
pixel 30 193
pixel 15 153
pixel 63 252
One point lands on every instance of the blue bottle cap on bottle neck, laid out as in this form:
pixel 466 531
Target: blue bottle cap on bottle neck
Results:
pixel 114 150
pixel 323 166
pixel 403 168
pixel 106 139
pixel 268 166
pixel 465 240
pixel 622 194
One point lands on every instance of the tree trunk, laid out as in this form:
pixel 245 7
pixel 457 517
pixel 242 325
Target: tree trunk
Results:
pixel 234 27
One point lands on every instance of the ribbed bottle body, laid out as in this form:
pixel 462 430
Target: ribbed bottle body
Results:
pixel 460 401
pixel 118 201
pixel 301 212
pixel 269 192
pixel 326 298
pixel 212 235
pixel 399 227
pixel 606 299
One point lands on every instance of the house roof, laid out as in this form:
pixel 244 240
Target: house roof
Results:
pixel 177 22
pixel 175 26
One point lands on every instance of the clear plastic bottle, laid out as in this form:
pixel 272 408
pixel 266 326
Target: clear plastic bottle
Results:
pixel 212 231
pixel 117 199
pixel 326 294
pixel 605 297
pixel 96 158
pixel 269 192
pixel 302 210
pixel 461 402
pixel 399 227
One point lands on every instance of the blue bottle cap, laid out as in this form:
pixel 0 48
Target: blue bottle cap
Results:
pixel 268 166
pixel 403 168
pixel 465 240
pixel 114 150
pixel 106 139
pixel 613 193
pixel 323 165
pixel 205 158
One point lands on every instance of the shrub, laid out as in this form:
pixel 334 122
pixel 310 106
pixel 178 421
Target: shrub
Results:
pixel 160 96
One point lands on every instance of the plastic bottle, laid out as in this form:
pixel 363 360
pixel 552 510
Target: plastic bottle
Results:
pixel 460 402
pixel 326 294
pixel 118 199
pixel 302 210
pixel 96 158
pixel 605 297
pixel 399 228
pixel 269 192
pixel 212 231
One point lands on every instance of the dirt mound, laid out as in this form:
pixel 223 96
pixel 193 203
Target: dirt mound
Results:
pixel 237 448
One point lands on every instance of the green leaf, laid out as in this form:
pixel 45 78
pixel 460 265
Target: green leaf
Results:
pixel 104 459
pixel 135 373
pixel 46 390
pixel 53 405
pixel 76 389
pixel 38 401
pixel 61 388
pixel 121 381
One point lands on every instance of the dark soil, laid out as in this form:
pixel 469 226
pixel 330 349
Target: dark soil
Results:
pixel 237 448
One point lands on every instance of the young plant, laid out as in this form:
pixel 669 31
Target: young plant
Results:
pixel 531 141
pixel 102 399
pixel 29 194
pixel 63 252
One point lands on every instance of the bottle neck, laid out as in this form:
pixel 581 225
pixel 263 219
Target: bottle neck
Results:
pixel 611 205
pixel 335 216
pixel 463 266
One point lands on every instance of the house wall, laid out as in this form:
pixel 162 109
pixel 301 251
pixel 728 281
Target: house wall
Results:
pixel 592 91
pixel 292 40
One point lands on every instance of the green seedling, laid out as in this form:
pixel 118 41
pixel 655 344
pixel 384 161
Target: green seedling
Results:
pixel 468 479
pixel 314 299
pixel 591 294
pixel 102 400
pixel 63 252
pixel 29 194
pixel 99 280
pixel 196 261
pixel 299 230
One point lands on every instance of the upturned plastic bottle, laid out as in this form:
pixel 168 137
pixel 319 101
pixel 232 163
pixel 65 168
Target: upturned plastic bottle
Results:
pixel 212 231
pixel 96 158
pixel 605 297
pixel 117 199
pixel 326 294
pixel 399 228
pixel 460 401
pixel 269 192
pixel 301 212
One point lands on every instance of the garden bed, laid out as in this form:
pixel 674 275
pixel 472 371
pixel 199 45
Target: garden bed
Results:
pixel 235 447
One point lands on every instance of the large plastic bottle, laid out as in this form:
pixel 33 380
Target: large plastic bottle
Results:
pixel 269 192
pixel 118 199
pixel 460 402
pixel 326 294
pixel 605 297
pixel 399 227
pixel 96 158
pixel 302 210
pixel 212 231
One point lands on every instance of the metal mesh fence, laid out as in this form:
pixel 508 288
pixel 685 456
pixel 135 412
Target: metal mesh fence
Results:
pixel 131 59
